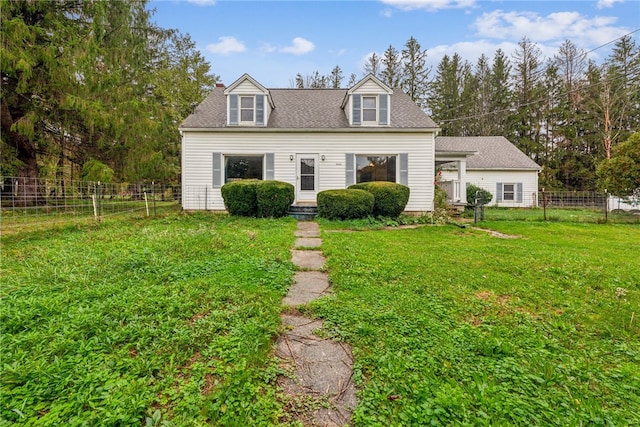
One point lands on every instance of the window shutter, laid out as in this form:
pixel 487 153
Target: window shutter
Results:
pixel 404 168
pixel 260 110
pixel 357 108
pixel 217 170
pixel 233 109
pixel 349 169
pixel 384 109
pixel 498 192
pixel 519 192
pixel 269 166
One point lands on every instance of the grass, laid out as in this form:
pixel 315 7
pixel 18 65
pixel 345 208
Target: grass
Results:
pixel 143 321
pixel 170 321
pixel 452 326
pixel 558 215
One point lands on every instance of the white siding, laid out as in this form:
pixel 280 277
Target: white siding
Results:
pixel 370 87
pixel 198 149
pixel 488 179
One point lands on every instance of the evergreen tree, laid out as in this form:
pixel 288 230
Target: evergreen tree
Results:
pixel 528 93
pixel 335 78
pixel 373 65
pixel 501 95
pixel 391 73
pixel 415 76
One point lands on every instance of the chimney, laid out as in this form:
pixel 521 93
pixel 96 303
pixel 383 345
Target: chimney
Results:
pixel 221 85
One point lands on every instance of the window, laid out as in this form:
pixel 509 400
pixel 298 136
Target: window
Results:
pixel 246 108
pixel 375 168
pixel 369 109
pixel 243 167
pixel 508 192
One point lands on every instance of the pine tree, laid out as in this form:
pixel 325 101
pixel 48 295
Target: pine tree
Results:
pixel 373 65
pixel 335 78
pixel 391 73
pixel 415 75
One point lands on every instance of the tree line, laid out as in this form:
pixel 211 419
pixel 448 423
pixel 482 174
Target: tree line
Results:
pixel 566 112
pixel 95 91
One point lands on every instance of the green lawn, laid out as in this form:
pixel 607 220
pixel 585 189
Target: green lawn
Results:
pixel 109 324
pixel 455 326
pixel 173 319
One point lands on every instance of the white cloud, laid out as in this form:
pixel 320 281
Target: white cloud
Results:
pixel 227 45
pixel 299 46
pixel 202 2
pixel 605 4
pixel 431 5
pixel 555 27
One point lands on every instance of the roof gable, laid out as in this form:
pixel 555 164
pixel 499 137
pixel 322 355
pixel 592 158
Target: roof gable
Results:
pixel 244 78
pixel 492 152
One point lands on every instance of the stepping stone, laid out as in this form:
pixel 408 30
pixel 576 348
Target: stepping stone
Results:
pixel 322 369
pixel 310 260
pixel 308 229
pixel 309 285
pixel 308 242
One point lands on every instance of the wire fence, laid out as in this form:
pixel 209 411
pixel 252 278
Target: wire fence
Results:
pixel 41 202
pixel 33 202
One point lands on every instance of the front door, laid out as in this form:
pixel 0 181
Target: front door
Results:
pixel 307 177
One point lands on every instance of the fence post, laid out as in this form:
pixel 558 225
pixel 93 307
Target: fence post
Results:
pixel 544 203
pixel 206 206
pixel 153 195
pixel 606 205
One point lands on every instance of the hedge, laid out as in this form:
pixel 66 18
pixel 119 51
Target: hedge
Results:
pixel 345 204
pixel 240 197
pixel 484 196
pixel 258 198
pixel 390 199
pixel 274 198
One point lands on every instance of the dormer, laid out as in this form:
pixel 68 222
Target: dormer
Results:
pixel 248 103
pixel 368 103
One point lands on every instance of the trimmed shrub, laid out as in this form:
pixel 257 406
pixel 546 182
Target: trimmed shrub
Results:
pixel 345 204
pixel 484 196
pixel 390 198
pixel 274 198
pixel 240 197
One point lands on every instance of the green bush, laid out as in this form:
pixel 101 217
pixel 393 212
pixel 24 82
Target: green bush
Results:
pixel 390 198
pixel 240 197
pixel 483 194
pixel 274 198
pixel 258 198
pixel 440 198
pixel 345 204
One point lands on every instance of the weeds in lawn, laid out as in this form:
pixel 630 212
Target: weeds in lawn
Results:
pixel 148 321
pixel 452 326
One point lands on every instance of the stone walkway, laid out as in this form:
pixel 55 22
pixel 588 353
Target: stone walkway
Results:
pixel 320 387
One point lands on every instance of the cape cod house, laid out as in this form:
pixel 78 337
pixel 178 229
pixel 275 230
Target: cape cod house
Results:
pixel 316 139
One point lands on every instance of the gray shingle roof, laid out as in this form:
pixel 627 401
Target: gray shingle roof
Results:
pixel 307 109
pixel 493 152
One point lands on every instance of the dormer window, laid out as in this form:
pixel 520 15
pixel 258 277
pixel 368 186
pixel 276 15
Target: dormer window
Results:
pixel 369 110
pixel 246 108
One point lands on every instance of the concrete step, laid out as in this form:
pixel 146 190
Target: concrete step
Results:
pixel 303 212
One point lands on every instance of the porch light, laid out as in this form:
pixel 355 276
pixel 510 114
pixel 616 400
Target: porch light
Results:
pixel 322 157
pixel 291 157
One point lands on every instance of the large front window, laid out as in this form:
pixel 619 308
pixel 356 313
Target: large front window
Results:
pixel 242 167
pixel 375 168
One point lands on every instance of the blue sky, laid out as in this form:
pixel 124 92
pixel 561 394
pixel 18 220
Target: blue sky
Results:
pixel 274 40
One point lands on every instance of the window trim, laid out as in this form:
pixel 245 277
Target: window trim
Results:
pixel 375 109
pixel 512 192
pixel 252 109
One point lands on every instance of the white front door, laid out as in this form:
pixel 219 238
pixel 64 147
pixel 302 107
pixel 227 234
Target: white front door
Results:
pixel 306 177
